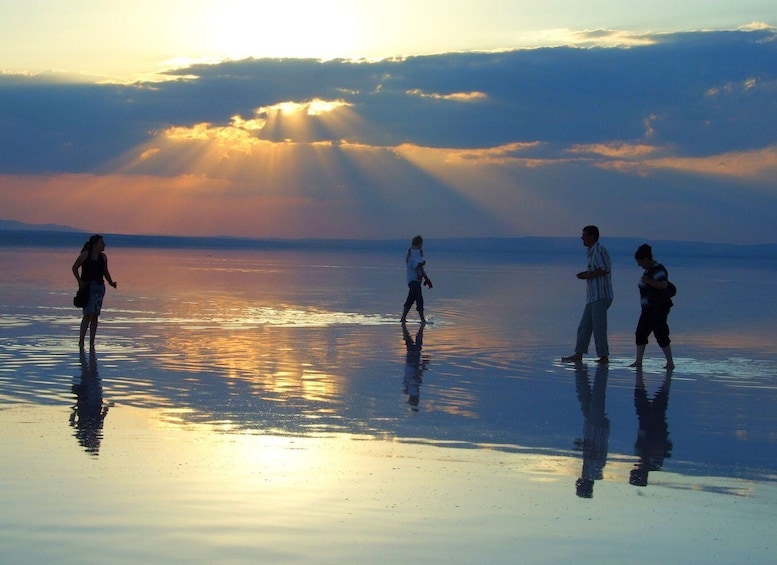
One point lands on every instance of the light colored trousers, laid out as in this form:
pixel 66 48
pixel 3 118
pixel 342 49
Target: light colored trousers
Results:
pixel 594 322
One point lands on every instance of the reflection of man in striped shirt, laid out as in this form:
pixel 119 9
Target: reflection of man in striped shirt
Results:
pixel 598 299
pixel 596 427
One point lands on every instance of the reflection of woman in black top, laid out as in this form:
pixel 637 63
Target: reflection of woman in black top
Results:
pixel 653 444
pixel 94 272
pixel 655 306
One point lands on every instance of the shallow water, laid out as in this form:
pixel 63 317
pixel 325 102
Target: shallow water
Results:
pixel 266 406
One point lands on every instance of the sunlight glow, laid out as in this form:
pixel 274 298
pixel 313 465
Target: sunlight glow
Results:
pixel 238 29
pixel 244 135
pixel 314 107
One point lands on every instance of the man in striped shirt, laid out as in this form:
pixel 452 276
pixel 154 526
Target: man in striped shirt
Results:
pixel 598 299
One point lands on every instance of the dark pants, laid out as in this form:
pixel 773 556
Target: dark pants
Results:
pixel 414 295
pixel 653 320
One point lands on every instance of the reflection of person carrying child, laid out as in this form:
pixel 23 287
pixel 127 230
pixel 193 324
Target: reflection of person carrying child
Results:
pixel 415 274
pixel 653 445
pixel 415 365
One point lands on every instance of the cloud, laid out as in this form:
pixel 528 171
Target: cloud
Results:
pixel 454 96
pixel 758 167
pixel 527 142
pixel 595 38
pixel 615 150
pixel 759 26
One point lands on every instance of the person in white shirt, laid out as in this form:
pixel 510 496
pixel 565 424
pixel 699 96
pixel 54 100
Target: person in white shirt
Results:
pixel 599 297
pixel 415 274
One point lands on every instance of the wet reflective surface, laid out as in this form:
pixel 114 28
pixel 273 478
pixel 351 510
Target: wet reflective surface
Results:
pixel 238 402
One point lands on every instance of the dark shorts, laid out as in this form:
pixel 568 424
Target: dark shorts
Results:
pixel 653 320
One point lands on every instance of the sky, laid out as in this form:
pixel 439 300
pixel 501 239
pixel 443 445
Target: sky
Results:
pixel 380 120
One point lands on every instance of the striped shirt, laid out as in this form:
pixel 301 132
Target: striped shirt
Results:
pixel 599 288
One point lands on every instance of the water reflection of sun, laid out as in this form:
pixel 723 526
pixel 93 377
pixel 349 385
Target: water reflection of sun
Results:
pixel 275 363
pixel 282 353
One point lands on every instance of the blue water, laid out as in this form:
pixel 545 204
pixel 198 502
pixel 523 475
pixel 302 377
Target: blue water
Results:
pixel 260 402
pixel 302 341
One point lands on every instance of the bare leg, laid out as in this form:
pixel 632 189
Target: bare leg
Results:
pixel 93 330
pixel 82 333
pixel 640 354
pixel 403 319
pixel 668 354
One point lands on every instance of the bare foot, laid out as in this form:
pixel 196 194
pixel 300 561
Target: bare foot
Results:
pixel 669 366
pixel 636 365
pixel 603 360
pixel 576 358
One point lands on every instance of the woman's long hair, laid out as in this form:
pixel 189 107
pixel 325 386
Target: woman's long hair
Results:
pixel 90 243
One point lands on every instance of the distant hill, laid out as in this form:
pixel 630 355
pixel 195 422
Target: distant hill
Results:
pixel 18 234
pixel 21 226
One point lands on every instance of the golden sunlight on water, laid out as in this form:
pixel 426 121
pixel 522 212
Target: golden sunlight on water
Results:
pixel 208 496
pixel 250 406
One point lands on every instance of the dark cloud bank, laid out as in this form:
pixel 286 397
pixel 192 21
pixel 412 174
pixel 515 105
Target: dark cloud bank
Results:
pixel 703 93
pixel 672 140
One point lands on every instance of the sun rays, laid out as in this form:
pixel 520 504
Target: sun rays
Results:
pixel 256 141
pixel 378 150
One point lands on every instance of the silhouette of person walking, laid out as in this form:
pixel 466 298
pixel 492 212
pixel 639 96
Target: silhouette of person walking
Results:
pixel 93 266
pixel 599 297
pixel 415 275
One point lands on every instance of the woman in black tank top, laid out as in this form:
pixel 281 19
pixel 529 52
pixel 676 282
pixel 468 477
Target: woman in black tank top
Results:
pixel 93 265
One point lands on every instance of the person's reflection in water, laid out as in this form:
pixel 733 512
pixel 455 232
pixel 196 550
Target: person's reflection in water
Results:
pixel 596 427
pixel 415 364
pixel 89 411
pixel 653 444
